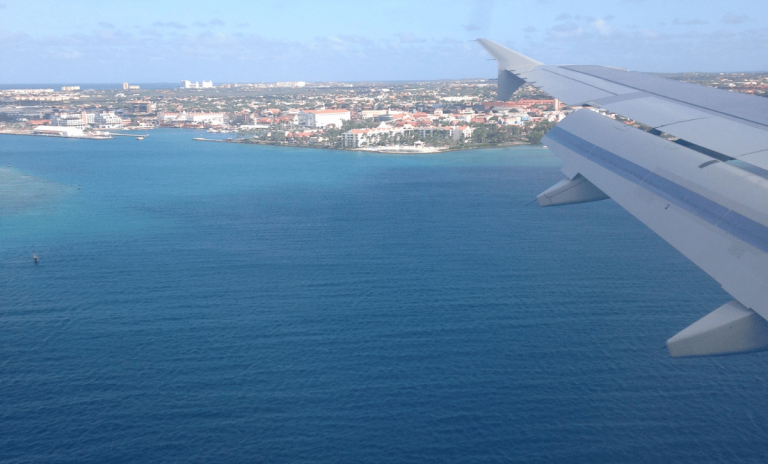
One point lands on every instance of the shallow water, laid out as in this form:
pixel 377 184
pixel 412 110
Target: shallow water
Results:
pixel 208 302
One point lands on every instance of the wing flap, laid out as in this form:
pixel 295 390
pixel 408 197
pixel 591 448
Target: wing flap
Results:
pixel 721 135
pixel 651 111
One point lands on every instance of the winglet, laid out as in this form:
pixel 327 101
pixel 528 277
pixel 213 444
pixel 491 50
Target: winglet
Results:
pixel 509 60
pixel 511 64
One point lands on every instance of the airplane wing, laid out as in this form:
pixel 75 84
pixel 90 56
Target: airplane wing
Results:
pixel 705 193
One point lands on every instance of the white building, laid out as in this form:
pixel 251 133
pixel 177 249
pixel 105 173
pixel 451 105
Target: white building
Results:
pixel 214 119
pixel 108 120
pixel 293 115
pixel 59 131
pixel 363 137
pixel 196 85
pixel 457 131
pixel 72 119
pixel 323 118
pixel 355 138
pixel 369 114
pixel 166 116
pixel 69 122
pixel 454 132
pixel 291 84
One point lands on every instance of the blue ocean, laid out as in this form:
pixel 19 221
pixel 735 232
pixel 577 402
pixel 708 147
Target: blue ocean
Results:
pixel 207 302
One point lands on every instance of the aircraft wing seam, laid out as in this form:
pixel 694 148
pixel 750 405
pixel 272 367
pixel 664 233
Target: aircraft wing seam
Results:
pixel 681 102
pixel 725 219
pixel 580 82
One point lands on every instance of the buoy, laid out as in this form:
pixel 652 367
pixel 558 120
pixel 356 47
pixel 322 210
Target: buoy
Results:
pixel 35 258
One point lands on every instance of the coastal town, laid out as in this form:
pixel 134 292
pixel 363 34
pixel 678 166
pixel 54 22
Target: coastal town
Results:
pixel 424 116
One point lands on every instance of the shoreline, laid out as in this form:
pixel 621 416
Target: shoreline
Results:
pixel 31 134
pixel 387 150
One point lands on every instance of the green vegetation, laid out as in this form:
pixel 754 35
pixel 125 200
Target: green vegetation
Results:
pixel 538 131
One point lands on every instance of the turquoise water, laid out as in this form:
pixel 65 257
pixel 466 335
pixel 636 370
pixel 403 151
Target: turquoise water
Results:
pixel 208 302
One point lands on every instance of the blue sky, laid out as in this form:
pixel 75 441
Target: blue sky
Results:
pixel 262 41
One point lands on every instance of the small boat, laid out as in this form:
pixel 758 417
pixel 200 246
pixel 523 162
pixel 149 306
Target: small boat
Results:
pixel 139 138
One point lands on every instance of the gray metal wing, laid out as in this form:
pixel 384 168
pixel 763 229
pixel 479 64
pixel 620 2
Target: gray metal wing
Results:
pixel 706 193
pixel 728 124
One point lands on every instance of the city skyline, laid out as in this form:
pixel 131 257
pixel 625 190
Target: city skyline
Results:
pixel 346 41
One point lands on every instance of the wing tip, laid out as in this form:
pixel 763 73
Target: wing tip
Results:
pixel 508 59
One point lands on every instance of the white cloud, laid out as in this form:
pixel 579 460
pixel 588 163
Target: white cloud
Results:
pixel 115 55
pixel 602 27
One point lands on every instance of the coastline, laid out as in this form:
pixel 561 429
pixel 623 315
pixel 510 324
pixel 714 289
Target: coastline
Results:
pixel 387 149
pixel 32 134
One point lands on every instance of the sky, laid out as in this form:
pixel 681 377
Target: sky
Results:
pixel 140 41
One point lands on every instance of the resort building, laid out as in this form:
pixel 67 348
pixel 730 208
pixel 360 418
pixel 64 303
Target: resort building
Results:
pixel 356 138
pixel 196 85
pixel 364 137
pixel 108 120
pixel 72 119
pixel 323 118
pixel 214 119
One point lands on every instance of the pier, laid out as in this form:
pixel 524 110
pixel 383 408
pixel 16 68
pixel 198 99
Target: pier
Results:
pixel 128 135
pixel 38 134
